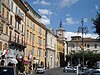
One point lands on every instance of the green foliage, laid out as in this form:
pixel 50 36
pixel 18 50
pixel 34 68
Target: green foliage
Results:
pixel 90 58
pixel 96 23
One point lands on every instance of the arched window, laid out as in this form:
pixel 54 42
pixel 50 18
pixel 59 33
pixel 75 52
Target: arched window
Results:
pixel 88 45
pixel 95 46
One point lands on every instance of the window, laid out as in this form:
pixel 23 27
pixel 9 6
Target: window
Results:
pixel 22 28
pixel 18 39
pixel 11 19
pixel 17 24
pixel 0 45
pixel 7 15
pixel 6 30
pixel 10 35
pixel 39 52
pixel 30 24
pixel 3 11
pixel 27 22
pixel 88 45
pixel 33 26
pixel 22 15
pixel 22 40
pixel 44 42
pixel 32 52
pixel 27 34
pixel 40 41
pixel 32 37
pixel 40 30
pixel 12 6
pixel 15 38
pixel 73 45
pixel 95 46
pixel 16 9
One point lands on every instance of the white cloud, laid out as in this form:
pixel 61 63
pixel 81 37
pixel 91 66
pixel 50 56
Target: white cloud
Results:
pixel 45 20
pixel 43 2
pixel 85 19
pixel 70 21
pixel 97 7
pixel 69 34
pixel 67 15
pixel 68 3
pixel 45 11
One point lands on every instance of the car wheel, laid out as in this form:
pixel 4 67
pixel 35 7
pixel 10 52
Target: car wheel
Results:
pixel 65 70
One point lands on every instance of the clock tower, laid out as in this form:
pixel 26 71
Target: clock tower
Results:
pixel 61 32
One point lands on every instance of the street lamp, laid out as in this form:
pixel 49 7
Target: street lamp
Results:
pixel 83 30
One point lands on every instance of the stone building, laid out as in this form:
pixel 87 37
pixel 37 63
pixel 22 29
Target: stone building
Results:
pixel 89 44
pixel 51 42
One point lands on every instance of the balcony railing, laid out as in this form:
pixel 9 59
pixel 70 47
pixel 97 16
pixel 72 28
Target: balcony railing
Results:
pixel 17 40
pixel 18 15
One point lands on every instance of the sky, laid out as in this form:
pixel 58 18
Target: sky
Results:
pixel 70 12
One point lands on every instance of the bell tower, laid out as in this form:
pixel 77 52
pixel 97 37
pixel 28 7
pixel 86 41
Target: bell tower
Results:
pixel 61 32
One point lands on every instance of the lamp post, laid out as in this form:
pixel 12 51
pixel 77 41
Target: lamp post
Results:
pixel 82 29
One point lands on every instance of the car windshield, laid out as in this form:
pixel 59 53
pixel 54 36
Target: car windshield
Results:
pixel 40 66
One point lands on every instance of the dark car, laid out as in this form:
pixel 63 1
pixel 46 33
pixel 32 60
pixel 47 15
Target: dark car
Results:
pixel 91 72
pixel 7 70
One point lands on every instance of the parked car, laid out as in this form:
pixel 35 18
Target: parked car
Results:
pixel 40 69
pixel 69 69
pixel 91 72
pixel 7 70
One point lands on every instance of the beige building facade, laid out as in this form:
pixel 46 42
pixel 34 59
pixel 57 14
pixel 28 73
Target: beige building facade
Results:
pixel 12 21
pixel 51 46
pixel 89 44
pixel 34 38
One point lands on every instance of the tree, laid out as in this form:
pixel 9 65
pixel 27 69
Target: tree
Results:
pixel 96 23
pixel 90 58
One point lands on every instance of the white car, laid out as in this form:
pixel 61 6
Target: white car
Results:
pixel 69 69
pixel 40 69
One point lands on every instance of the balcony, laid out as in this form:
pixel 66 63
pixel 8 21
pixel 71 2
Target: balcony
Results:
pixel 17 41
pixel 18 16
pixel 6 3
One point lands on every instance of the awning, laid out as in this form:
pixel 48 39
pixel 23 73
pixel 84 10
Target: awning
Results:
pixel 13 60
